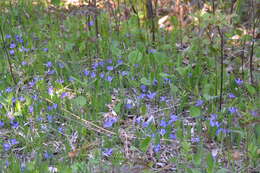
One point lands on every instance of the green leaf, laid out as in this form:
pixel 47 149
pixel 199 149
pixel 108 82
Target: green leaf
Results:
pixel 196 171
pixel 161 58
pixel 135 57
pixel 164 75
pixel 197 159
pixel 195 111
pixel 145 144
pixel 174 89
pixel 210 162
pixel 222 170
pixel 251 89
pixel 145 81
pixel 69 46
pixel 80 101
pixel 55 2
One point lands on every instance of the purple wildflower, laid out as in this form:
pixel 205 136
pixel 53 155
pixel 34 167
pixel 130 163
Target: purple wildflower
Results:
pixel 162 132
pixel 71 79
pixel 102 75
pixel 63 95
pixel 254 113
pixel 61 81
pixel 120 61
pixel 239 81
pixel 8 36
pixel 91 23
pixel 174 117
pixel 2 123
pixel 172 136
pixel 151 95
pixel 39 119
pixel 47 155
pixel 163 123
pixel 152 50
pixel 86 72
pixel 13 141
pixel 61 65
pixel 14 124
pixel 55 106
pixel 231 96
pixel 51 72
pixel 109 78
pixel 109 122
pixel 60 129
pixel 101 63
pixel 11 52
pixel 163 98
pixel 110 68
pixel 128 106
pixel 7 164
pixel 94 66
pixel 35 97
pixel 138 120
pixel 14 100
pixel 8 90
pixel 31 109
pixel 155 82
pixel 141 96
pixel 195 139
pixel 109 61
pixel 93 74
pixel 222 130
pixel 49 64
pixel 45 49
pixel 145 124
pixel 7 146
pixel 157 148
pixel 199 103
pixel 50 91
pixel 143 88
pixel 24 63
pixel 213 121
pixel 12 45
pixel 31 84
pixel 49 118
pixel 124 73
pixel 108 152
pixel 232 110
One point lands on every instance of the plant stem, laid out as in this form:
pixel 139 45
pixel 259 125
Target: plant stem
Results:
pixel 222 67
pixel 7 55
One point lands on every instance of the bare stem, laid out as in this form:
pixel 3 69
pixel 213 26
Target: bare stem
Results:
pixel 7 55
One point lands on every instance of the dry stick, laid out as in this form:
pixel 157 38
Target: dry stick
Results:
pixel 253 43
pixel 118 17
pixel 232 9
pixel 242 58
pixel 89 124
pixel 213 6
pixel 7 55
pixel 134 10
pixel 150 16
pixel 222 66
pixel 96 26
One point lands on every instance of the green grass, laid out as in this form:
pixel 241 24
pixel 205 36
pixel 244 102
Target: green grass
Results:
pixel 119 102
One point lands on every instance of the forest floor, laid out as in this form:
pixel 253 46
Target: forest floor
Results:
pixel 85 89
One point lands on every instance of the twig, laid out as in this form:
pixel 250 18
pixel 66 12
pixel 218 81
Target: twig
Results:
pixel 222 67
pixel 7 55
pixel 88 124
pixel 253 43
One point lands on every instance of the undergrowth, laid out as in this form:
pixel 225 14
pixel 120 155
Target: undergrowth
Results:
pixel 74 100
